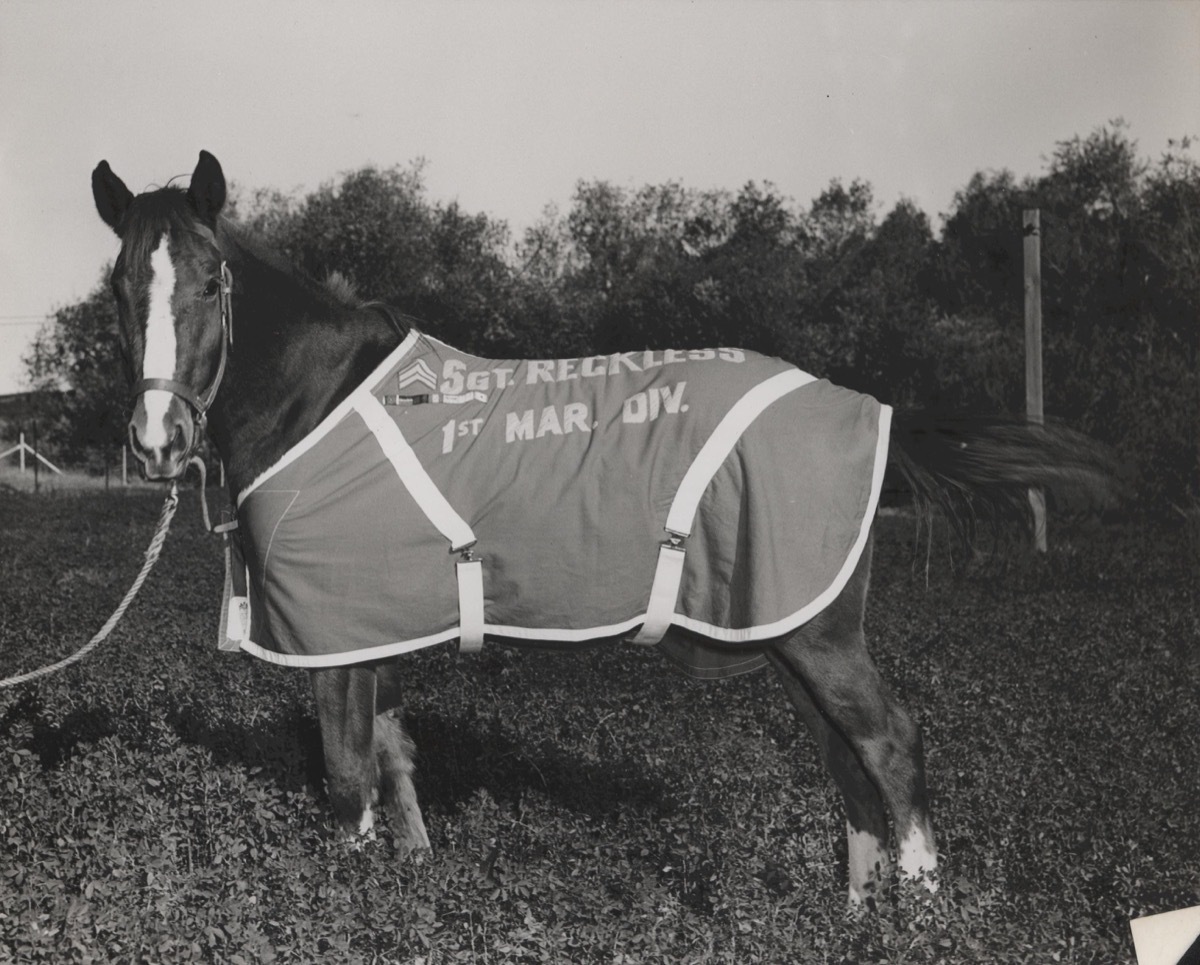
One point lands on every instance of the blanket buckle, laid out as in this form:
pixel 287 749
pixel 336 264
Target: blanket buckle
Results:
pixel 674 539
pixel 466 552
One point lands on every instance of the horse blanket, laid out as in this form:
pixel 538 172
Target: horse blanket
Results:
pixel 557 502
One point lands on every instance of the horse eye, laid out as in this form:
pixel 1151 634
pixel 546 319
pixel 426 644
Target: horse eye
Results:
pixel 211 289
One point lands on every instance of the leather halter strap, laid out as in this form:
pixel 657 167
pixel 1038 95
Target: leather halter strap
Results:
pixel 175 388
pixel 200 402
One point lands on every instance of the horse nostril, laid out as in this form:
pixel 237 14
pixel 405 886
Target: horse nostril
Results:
pixel 158 459
pixel 178 443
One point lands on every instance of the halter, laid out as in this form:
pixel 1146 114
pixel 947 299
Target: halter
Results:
pixel 200 402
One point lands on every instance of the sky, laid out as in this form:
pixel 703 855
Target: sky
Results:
pixel 512 103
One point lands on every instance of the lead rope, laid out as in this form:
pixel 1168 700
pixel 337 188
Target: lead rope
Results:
pixel 152 551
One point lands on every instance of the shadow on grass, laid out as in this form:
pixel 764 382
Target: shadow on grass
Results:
pixel 457 757
pixel 285 749
pixel 54 743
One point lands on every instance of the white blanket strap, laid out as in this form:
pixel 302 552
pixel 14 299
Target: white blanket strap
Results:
pixel 438 510
pixel 664 592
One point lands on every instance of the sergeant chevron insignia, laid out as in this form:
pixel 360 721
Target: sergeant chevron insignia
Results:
pixel 418 373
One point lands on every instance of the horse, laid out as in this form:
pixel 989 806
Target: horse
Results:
pixel 295 357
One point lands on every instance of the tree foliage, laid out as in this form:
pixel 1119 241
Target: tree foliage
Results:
pixel 377 229
pixel 1121 304
pixel 876 301
pixel 79 351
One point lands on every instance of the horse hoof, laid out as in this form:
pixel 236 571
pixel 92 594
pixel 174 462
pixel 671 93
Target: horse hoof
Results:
pixel 408 831
pixel 413 846
pixel 414 853
pixel 360 841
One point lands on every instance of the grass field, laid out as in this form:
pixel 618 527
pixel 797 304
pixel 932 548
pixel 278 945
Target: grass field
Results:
pixel 68 481
pixel 163 802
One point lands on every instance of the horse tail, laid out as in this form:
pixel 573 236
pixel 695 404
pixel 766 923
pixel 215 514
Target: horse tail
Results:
pixel 973 468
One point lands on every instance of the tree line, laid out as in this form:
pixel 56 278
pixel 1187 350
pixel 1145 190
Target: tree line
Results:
pixel 876 301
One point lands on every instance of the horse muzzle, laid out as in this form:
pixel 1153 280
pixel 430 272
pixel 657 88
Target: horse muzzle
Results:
pixel 162 434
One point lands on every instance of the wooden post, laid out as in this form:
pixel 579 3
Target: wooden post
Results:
pixel 21 449
pixel 1031 229
pixel 37 483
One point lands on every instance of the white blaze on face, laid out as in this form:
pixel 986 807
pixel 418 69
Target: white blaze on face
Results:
pixel 159 361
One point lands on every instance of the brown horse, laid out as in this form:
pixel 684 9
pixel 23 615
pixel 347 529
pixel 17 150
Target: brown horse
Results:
pixel 299 350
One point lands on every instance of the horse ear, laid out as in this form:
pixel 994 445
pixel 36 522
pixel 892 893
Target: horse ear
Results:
pixel 207 192
pixel 111 195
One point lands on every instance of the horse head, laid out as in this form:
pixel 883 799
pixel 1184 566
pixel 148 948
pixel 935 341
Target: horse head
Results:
pixel 172 290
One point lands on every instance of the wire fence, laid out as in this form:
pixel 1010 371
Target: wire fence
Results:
pixel 27 467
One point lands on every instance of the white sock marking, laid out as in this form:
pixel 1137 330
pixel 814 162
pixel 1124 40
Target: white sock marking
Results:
pixel 159 360
pixel 918 856
pixel 867 857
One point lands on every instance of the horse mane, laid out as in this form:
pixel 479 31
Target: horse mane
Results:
pixel 336 290
pixel 168 208
pixel 343 289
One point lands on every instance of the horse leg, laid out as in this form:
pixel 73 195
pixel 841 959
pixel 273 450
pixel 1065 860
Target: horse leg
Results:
pixel 346 709
pixel 828 657
pixel 394 754
pixel 867 861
